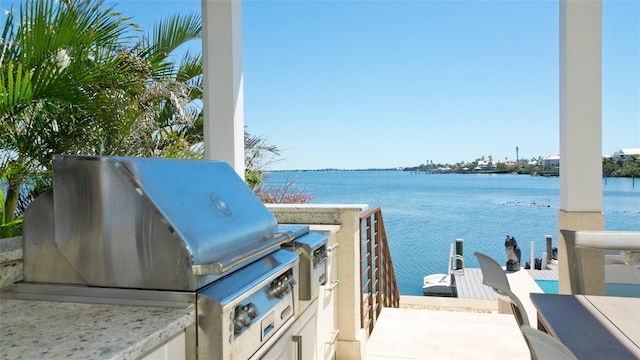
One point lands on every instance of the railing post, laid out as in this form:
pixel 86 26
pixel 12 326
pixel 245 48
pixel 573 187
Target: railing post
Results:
pixel 459 252
pixel 549 248
pixel 369 282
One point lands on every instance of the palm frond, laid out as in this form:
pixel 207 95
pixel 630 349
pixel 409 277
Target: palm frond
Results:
pixel 15 86
pixel 82 30
pixel 190 67
pixel 167 35
pixel 5 42
pixel 176 30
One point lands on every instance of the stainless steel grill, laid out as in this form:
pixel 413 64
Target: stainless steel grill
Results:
pixel 173 233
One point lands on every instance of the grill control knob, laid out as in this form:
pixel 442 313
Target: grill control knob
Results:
pixel 281 286
pixel 251 310
pixel 241 319
pixel 291 280
pixel 319 257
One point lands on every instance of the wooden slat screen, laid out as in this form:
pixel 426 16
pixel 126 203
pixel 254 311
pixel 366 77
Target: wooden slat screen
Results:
pixel 379 287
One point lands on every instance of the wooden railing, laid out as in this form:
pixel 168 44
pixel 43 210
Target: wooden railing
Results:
pixel 379 287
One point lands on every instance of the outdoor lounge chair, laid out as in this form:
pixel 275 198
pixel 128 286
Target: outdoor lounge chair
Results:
pixel 544 346
pixel 493 276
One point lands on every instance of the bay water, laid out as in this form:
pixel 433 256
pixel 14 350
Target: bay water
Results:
pixel 424 213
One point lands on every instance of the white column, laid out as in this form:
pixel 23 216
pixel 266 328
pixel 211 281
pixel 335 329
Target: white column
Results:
pixel 581 134
pixel 580 105
pixel 223 94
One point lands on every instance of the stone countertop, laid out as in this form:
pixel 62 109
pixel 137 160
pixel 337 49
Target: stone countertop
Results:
pixel 55 330
pixel 10 249
pixel 10 261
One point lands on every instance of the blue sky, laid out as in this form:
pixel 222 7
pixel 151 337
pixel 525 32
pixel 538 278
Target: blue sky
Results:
pixel 377 84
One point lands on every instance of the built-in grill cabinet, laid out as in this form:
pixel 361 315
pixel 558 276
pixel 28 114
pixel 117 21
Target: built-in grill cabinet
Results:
pixel 168 232
pixel 312 250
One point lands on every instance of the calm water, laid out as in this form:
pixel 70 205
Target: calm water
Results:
pixel 423 214
pixel 610 289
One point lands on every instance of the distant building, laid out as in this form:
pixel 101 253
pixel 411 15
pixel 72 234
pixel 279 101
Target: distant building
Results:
pixel 484 164
pixel 625 154
pixel 551 162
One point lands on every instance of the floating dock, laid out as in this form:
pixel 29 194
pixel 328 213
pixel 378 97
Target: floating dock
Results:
pixel 468 283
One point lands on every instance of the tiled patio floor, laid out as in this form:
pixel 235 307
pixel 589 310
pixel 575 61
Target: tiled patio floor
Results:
pixel 464 328
pixel 436 334
pixel 423 329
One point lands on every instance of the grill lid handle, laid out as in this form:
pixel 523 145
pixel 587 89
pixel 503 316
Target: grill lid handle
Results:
pixel 222 266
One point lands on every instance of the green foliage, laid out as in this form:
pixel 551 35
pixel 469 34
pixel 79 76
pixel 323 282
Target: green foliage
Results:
pixel 258 156
pixel 77 78
pixel 610 166
pixel 621 168
pixel 9 228
pixel 61 75
pixel 70 83
pixel 253 177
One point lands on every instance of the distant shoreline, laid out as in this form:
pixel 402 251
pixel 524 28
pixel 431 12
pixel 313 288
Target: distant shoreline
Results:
pixel 431 172
pixel 333 170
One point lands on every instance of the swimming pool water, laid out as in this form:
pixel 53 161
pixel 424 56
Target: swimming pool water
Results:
pixel 548 286
pixel 610 289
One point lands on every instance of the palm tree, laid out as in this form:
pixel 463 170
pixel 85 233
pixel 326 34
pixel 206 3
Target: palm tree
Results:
pixel 71 83
pixel 61 72
pixel 168 115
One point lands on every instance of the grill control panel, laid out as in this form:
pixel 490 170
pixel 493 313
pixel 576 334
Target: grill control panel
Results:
pixel 312 250
pixel 246 311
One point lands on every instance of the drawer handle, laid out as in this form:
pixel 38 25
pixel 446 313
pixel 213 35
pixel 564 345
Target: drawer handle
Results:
pixel 332 286
pixel 297 339
pixel 334 337
pixel 332 247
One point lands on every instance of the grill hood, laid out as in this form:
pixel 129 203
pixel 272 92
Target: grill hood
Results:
pixel 144 223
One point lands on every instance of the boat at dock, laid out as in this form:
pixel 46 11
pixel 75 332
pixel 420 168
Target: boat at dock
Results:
pixel 442 285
